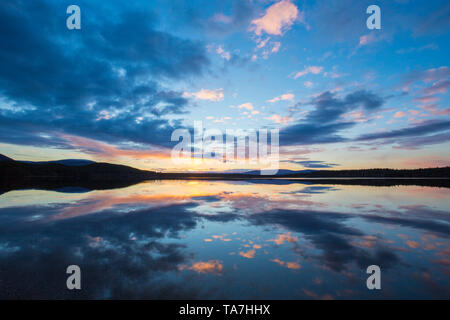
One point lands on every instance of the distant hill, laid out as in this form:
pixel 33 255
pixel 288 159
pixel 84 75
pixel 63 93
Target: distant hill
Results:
pixel 71 169
pixel 443 172
pixel 4 158
pixel 67 162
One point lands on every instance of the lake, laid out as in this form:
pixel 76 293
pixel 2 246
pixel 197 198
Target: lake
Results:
pixel 226 240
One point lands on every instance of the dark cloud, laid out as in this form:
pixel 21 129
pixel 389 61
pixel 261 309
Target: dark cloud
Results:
pixel 418 142
pixel 418 130
pixel 423 224
pixel 314 164
pixel 312 190
pixel 311 133
pixel 227 17
pixel 123 252
pixel 347 18
pixel 102 81
pixel 328 108
pixel 323 124
pixel 329 233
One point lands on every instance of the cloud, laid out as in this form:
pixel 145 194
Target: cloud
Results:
pixel 307 70
pixel 104 84
pixel 329 233
pixel 283 97
pixel 314 164
pixel 366 39
pixel 330 108
pixel 205 267
pixel 440 86
pixel 247 106
pixel 205 94
pixel 308 84
pixel 311 189
pixel 250 254
pixel 224 54
pixel 430 75
pixel 262 43
pixel 418 130
pixel 276 47
pixel 277 19
pixel 95 238
pixel 220 23
pixel 279 119
pixel 432 108
pixel 399 114
pixel 290 265
pixel 426 99
pixel 284 237
pixel 323 123
pixel 94 147
pixel 312 133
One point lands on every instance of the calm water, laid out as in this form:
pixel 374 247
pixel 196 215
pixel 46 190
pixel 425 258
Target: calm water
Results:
pixel 233 240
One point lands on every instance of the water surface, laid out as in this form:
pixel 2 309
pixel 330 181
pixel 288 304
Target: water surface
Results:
pixel 226 240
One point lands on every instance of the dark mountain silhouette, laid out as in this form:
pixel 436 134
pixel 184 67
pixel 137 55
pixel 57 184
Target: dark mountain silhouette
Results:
pixel 67 162
pixel 5 158
pixel 70 169
pixel 67 173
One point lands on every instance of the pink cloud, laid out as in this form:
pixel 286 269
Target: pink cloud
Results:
pixel 108 151
pixel 311 69
pixel 278 119
pixel 283 97
pixel 247 106
pixel 205 94
pixel 432 108
pixel 426 99
pixel 278 18
pixel 366 39
pixel 276 47
pixel 308 84
pixel 437 87
pixel 399 114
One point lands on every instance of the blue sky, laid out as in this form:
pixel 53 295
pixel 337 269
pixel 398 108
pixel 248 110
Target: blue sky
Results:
pixel 342 96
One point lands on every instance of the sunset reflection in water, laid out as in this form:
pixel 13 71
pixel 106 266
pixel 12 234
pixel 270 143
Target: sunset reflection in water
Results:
pixel 226 239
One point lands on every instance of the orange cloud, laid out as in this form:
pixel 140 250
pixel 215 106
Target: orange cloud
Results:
pixel 106 150
pixel 205 94
pixel 278 119
pixel 205 267
pixel 286 96
pixel 289 265
pixel 284 237
pixel 399 114
pixel 412 244
pixel 248 254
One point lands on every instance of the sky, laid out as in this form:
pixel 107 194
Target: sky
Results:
pixel 342 96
